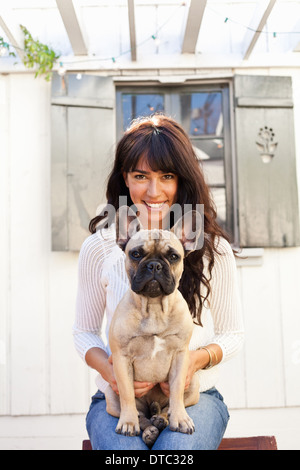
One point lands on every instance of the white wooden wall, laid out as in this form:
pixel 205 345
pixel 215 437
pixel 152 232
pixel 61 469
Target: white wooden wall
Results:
pixel 40 372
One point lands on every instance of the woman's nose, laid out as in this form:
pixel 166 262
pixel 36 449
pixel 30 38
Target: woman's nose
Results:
pixel 153 189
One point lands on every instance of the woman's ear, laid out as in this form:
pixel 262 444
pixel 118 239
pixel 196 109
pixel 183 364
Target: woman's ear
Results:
pixel 125 176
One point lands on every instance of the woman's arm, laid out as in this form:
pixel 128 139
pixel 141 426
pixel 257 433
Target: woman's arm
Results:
pixel 224 302
pixel 99 360
pixel 201 358
pixel 91 296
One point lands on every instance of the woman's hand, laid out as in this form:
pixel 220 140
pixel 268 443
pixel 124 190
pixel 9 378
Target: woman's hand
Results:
pixel 140 388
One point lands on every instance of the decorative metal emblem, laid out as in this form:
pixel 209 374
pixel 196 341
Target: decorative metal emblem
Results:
pixel 266 144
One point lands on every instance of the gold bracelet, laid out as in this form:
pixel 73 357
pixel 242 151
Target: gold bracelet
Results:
pixel 210 364
pixel 216 357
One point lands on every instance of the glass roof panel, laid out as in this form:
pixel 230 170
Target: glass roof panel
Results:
pixel 106 29
pixel 282 31
pixel 160 27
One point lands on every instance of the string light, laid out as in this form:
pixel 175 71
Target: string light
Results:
pixel 61 69
pixel 156 40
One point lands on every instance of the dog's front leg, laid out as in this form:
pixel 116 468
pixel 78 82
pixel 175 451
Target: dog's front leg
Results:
pixel 128 423
pixel 179 420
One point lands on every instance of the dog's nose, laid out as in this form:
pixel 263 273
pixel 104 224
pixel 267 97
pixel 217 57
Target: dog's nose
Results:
pixel 154 266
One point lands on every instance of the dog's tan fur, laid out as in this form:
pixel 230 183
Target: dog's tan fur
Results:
pixel 149 338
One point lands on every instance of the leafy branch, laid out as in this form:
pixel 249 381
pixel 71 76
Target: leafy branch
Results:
pixel 38 54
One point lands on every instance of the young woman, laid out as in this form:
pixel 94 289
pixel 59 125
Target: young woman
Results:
pixel 155 167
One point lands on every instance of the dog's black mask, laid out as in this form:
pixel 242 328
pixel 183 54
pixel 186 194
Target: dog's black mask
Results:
pixel 153 278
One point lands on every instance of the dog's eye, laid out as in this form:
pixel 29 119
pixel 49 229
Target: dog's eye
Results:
pixel 135 254
pixel 173 257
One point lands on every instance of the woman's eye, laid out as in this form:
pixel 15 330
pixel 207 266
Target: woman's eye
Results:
pixel 139 177
pixel 168 177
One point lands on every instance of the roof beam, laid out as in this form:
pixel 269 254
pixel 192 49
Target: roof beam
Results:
pixel 131 19
pixel 257 23
pixel 70 17
pixel 12 29
pixel 193 24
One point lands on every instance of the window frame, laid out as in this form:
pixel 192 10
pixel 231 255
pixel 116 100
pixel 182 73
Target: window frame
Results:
pixel 225 86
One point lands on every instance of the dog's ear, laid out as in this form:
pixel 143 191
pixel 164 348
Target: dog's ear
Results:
pixel 127 224
pixel 190 231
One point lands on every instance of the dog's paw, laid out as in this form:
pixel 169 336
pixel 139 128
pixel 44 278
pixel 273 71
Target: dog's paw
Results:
pixel 154 408
pixel 181 423
pixel 128 428
pixel 159 421
pixel 150 435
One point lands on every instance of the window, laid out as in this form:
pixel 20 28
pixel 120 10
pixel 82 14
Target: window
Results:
pixel 204 113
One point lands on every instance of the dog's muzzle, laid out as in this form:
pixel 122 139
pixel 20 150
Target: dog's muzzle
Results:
pixel 153 278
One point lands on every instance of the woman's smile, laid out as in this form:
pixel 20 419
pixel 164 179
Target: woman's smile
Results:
pixel 154 205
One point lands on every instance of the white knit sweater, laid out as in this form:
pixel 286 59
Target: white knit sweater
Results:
pixel 103 281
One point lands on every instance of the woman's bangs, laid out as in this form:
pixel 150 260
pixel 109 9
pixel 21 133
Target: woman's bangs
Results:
pixel 132 160
pixel 160 155
pixel 154 152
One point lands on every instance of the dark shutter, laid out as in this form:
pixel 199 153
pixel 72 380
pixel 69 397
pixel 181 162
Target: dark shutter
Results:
pixel 82 135
pixel 266 163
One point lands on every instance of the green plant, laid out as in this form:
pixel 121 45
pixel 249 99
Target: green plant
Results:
pixel 5 47
pixel 39 55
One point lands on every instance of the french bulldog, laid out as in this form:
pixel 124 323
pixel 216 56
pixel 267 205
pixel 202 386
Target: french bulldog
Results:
pixel 150 331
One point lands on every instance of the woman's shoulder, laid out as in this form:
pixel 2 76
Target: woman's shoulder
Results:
pixel 224 258
pixel 222 246
pixel 98 245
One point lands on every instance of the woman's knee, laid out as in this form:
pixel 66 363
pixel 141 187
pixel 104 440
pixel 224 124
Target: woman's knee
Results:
pixel 101 429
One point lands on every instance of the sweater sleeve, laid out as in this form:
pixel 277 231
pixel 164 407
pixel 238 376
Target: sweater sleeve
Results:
pixel 225 302
pixel 91 296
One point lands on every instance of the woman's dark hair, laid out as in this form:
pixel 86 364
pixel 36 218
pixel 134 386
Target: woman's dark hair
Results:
pixel 166 147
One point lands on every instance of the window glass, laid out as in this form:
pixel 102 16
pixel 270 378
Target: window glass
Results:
pixel 214 172
pixel 208 148
pixel 202 113
pixel 136 105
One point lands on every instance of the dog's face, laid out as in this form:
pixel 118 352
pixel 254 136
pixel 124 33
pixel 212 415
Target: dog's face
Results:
pixel 154 262
pixel 154 258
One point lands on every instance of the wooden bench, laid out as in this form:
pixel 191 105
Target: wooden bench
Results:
pixel 249 443
pixel 231 443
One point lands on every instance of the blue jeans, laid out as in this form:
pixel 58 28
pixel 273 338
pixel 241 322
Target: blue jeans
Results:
pixel 210 416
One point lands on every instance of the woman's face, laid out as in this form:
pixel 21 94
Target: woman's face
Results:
pixel 153 192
